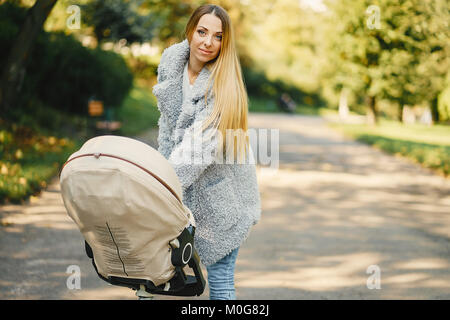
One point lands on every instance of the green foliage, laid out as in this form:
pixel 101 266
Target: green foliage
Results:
pixel 170 18
pixel 79 74
pixel 258 104
pixel 444 104
pixel 143 68
pixel 63 74
pixel 11 17
pixel 118 19
pixel 115 78
pixel 431 156
pixel 404 60
pixel 28 161
pixel 428 146
pixel 138 111
pixel 279 37
pixel 258 85
pixel 262 104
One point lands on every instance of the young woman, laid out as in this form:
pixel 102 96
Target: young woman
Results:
pixel 202 98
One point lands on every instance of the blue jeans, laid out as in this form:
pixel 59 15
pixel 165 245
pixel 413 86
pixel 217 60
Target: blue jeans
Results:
pixel 221 278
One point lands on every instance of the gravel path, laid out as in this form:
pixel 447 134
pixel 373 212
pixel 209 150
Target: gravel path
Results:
pixel 334 211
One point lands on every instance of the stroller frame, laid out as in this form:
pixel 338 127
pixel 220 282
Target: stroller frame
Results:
pixel 182 247
pixel 183 253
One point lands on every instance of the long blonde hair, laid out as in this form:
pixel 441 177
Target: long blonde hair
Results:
pixel 230 95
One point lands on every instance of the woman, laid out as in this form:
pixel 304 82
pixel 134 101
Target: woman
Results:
pixel 201 93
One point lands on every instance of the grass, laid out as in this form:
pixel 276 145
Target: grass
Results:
pixel 28 161
pixel 257 104
pixel 138 112
pixel 30 158
pixel 426 145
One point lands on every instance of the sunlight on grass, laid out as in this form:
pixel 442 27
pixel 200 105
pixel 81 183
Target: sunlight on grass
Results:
pixel 28 160
pixel 139 111
pixel 257 104
pixel 427 145
pixel 436 134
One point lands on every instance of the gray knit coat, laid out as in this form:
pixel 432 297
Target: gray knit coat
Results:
pixel 224 198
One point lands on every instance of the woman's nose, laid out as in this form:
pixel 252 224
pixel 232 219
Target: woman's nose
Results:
pixel 208 41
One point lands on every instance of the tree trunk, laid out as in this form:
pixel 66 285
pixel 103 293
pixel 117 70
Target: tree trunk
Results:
pixel 434 110
pixel 372 113
pixel 343 105
pixel 400 111
pixel 14 70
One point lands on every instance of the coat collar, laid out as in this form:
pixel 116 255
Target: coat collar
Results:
pixel 169 91
pixel 173 66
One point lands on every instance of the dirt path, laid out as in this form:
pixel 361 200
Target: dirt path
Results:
pixel 332 209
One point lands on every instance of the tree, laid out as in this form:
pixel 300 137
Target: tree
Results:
pixel 394 50
pixel 416 52
pixel 119 19
pixel 277 41
pixel 353 54
pixel 15 67
pixel 170 18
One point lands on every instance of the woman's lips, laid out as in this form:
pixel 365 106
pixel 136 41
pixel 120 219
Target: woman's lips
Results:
pixel 204 52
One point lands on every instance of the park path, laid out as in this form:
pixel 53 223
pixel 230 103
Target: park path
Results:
pixel 333 209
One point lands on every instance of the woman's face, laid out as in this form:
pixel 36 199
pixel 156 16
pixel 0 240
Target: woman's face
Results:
pixel 207 38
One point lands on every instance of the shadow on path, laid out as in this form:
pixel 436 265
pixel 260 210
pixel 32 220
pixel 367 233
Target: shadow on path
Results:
pixel 333 208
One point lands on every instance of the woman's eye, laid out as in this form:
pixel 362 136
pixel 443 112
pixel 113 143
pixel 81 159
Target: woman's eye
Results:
pixel 201 32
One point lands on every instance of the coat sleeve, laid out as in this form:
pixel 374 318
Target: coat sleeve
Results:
pixel 196 151
pixel 164 132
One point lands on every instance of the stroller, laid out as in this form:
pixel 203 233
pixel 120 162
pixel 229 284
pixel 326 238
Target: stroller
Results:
pixel 126 199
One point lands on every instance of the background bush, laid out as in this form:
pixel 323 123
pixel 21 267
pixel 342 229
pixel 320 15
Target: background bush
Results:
pixel 61 73
pixel 29 160
pixel 61 76
pixel 259 86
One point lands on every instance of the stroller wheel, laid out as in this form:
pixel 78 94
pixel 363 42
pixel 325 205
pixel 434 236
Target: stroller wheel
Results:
pixel 187 253
pixel 142 294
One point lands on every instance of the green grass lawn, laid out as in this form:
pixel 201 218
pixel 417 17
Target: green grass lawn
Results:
pixel 26 166
pixel 257 104
pixel 28 163
pixel 138 111
pixel 427 145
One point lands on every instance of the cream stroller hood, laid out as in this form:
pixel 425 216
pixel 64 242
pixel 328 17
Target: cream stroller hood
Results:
pixel 126 199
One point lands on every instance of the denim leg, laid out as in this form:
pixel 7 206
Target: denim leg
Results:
pixel 221 278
